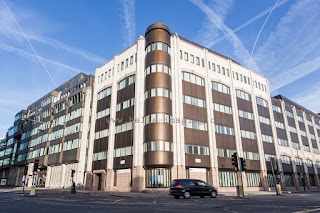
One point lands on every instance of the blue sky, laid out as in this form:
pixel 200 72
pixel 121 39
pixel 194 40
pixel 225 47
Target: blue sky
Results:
pixel 45 43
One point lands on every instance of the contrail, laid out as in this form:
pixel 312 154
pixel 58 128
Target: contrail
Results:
pixel 248 22
pixel 255 42
pixel 129 21
pixel 30 55
pixel 239 50
pixel 24 35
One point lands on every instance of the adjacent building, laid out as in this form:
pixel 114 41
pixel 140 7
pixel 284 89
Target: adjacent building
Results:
pixel 54 130
pixel 168 108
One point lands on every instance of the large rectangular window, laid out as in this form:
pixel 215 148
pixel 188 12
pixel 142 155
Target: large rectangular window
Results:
pixel 227 179
pixel 253 179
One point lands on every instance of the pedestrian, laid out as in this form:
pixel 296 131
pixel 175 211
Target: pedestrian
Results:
pixel 73 188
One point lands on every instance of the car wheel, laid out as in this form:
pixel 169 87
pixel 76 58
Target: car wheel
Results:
pixel 213 194
pixel 176 196
pixel 202 196
pixel 186 195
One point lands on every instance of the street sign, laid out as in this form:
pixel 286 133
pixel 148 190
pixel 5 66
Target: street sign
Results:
pixel 33 190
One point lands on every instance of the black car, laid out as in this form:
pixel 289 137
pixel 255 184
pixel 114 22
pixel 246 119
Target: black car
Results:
pixel 191 187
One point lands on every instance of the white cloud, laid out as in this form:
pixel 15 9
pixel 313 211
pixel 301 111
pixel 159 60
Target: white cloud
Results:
pixel 239 50
pixel 10 30
pixel 283 55
pixel 310 99
pixel 294 73
pixel 129 22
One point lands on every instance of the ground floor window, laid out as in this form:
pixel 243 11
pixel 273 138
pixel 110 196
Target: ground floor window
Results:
pixel 271 180
pixel 312 180
pixel 288 180
pixel 227 179
pixel 253 179
pixel 158 178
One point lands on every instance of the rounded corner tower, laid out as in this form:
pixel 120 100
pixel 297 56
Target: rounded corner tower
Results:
pixel 158 135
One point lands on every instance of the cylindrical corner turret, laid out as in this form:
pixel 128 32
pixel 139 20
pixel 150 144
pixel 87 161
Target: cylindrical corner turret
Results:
pixel 158 135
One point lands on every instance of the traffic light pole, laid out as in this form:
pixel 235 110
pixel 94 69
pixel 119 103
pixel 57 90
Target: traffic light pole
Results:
pixel 273 162
pixel 241 179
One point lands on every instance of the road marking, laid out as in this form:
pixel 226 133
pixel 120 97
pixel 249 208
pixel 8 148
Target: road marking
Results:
pixel 309 210
pixel 118 200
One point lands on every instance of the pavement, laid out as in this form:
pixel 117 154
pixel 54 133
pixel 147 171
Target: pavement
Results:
pixel 148 193
pixel 61 200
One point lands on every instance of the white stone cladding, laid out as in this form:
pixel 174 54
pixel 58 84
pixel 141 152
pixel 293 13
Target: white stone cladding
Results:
pixel 233 78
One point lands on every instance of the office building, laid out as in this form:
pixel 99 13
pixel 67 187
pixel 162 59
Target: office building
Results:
pixel 167 108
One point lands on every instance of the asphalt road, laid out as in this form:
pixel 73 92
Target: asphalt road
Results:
pixel 63 201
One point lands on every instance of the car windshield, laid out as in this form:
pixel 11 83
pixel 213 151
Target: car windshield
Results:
pixel 200 183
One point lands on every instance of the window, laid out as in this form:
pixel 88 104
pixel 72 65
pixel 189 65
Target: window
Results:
pixel 267 138
pixel 186 56
pixel 196 150
pixel 225 152
pixel 131 60
pixel 157 68
pixel 100 156
pixel 289 114
pixel 158 178
pixel 262 102
pixel 248 134
pixel 264 120
pixel 285 159
pixel 227 179
pixel 279 125
pixel 222 108
pixel 224 130
pixel 157 118
pixel 124 127
pixel 125 104
pixel 192 58
pixel 244 114
pixel 192 124
pixel 126 82
pixel 157 146
pixel 104 93
pixel 194 101
pixel 197 60
pixel 193 78
pixel 253 179
pixel 159 46
pixel 220 87
pixel 283 142
pixel 276 108
pixel 243 95
pixel 251 155
pixel 121 152
pixel 213 67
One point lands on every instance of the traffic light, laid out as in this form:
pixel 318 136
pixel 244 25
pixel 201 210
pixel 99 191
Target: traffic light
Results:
pixel 36 165
pixel 243 164
pixel 72 172
pixel 235 161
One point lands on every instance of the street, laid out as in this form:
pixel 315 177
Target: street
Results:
pixel 91 201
